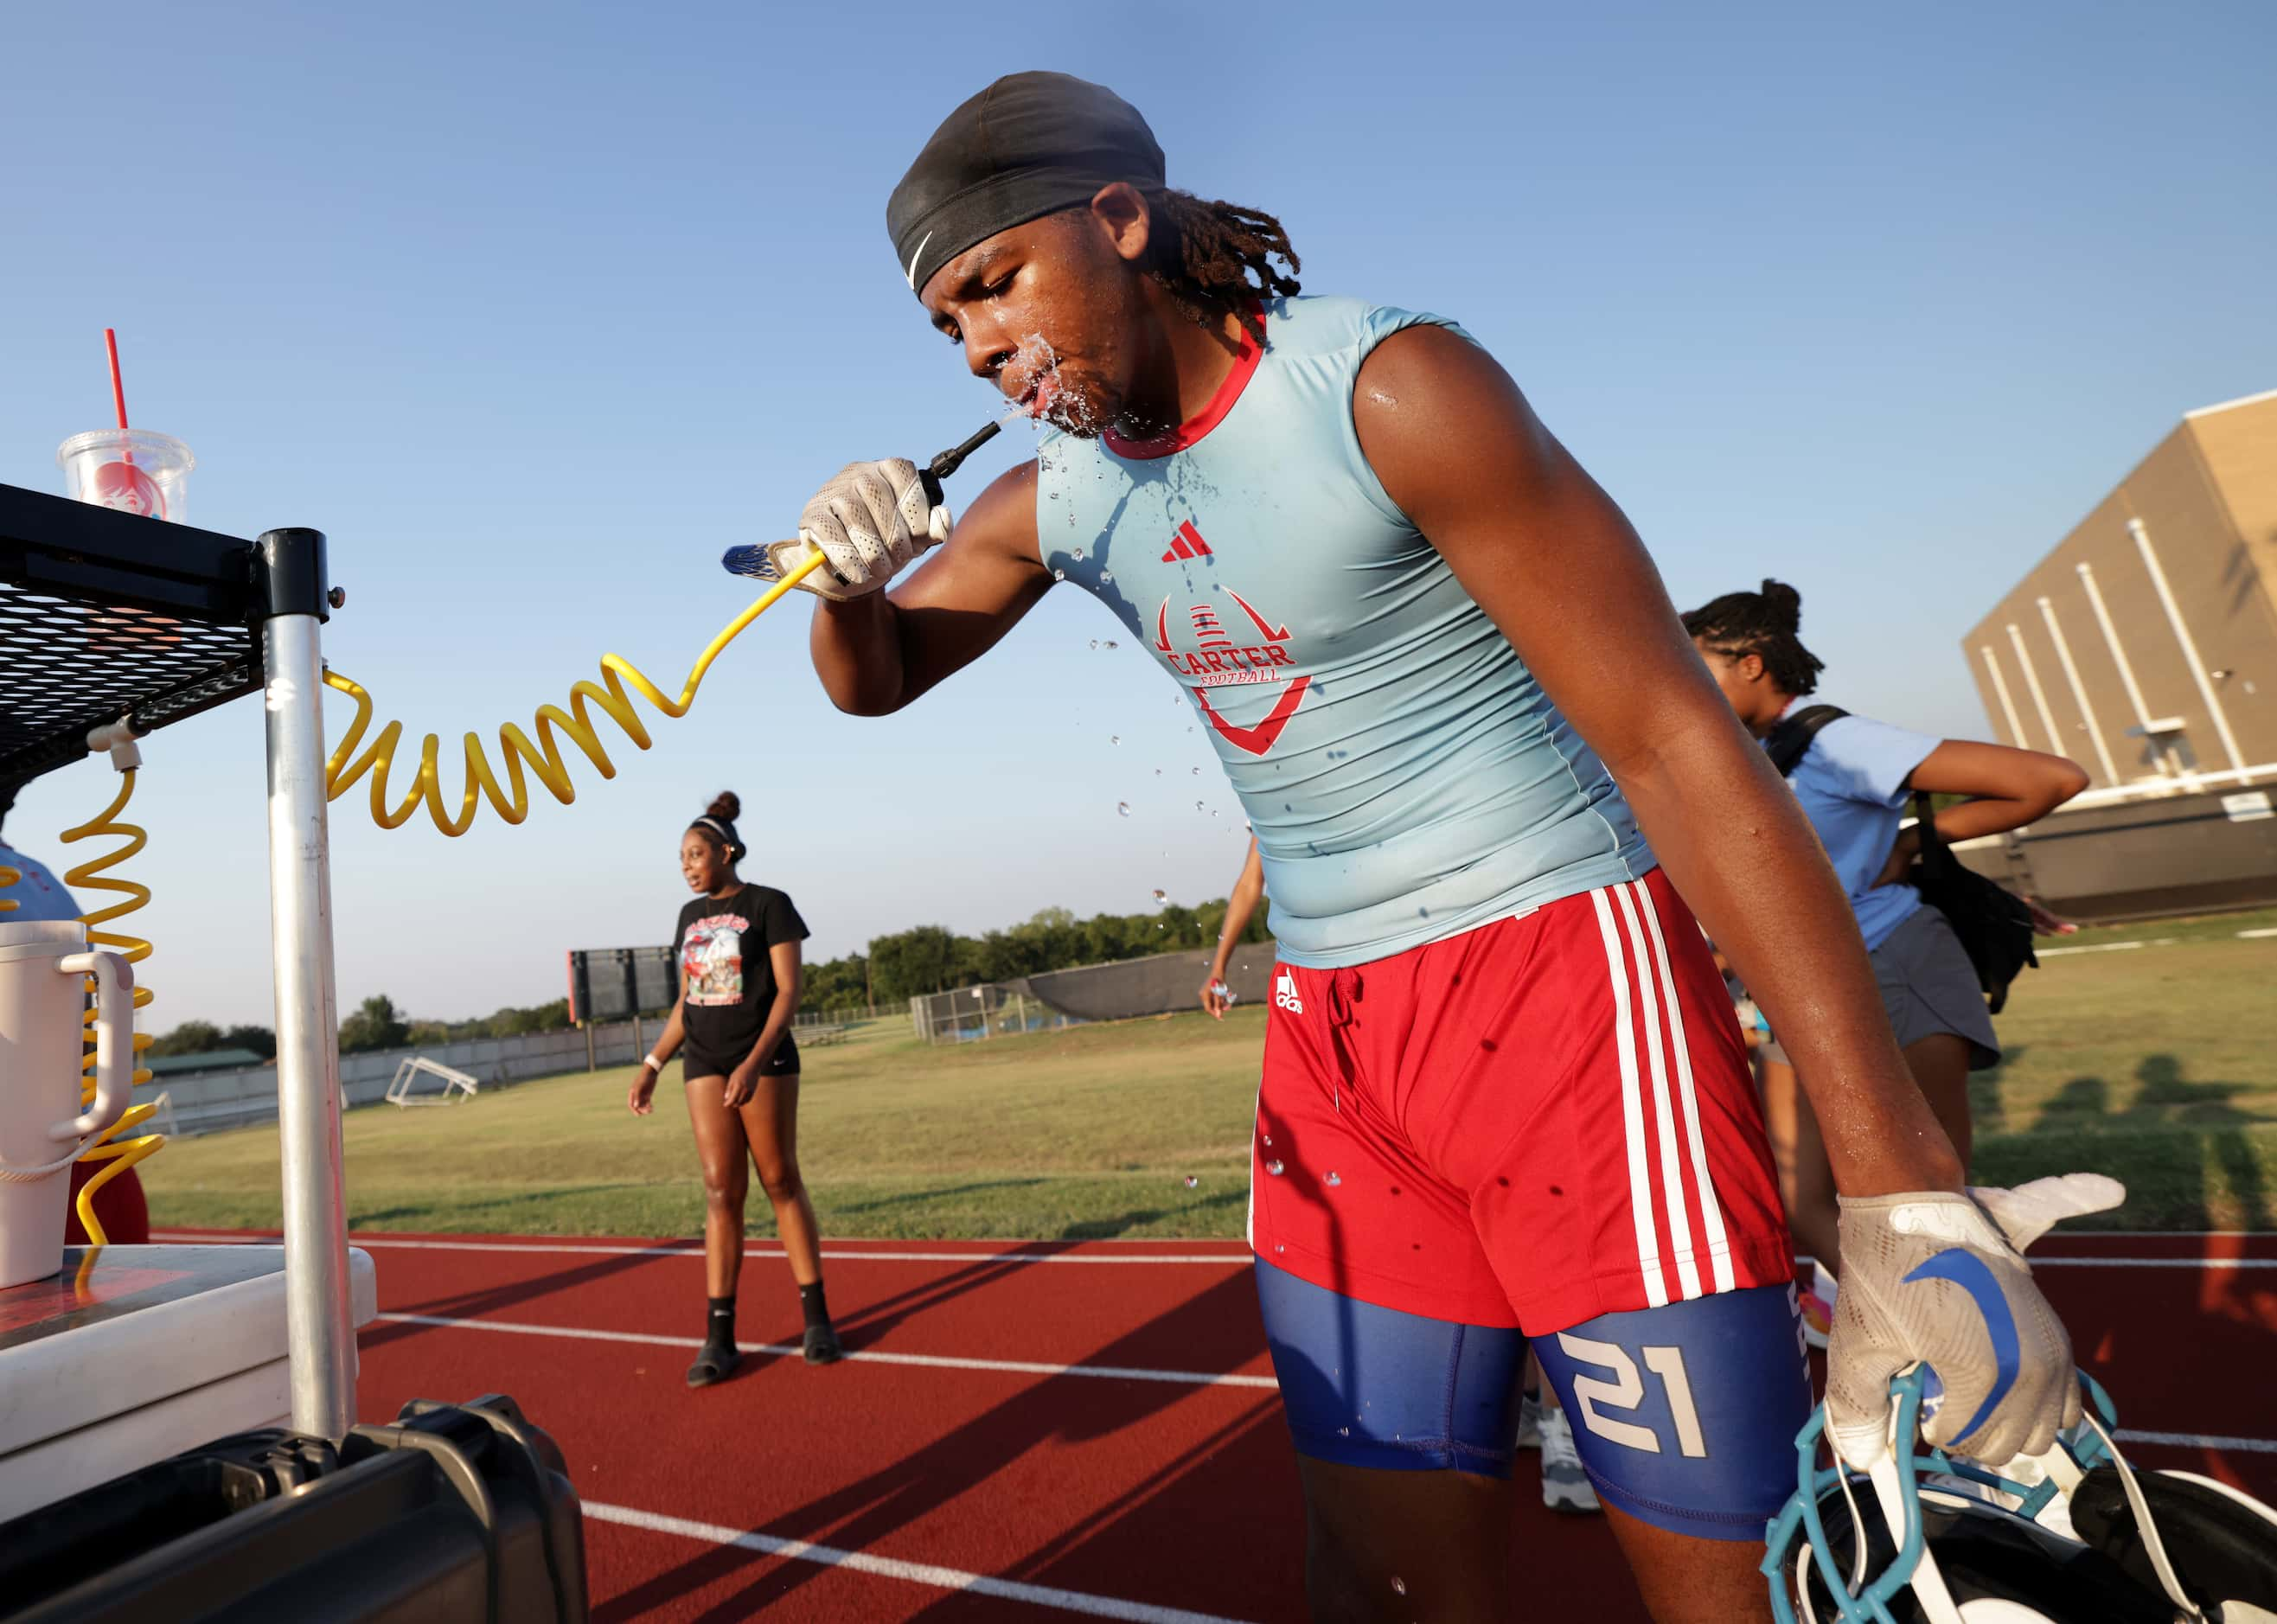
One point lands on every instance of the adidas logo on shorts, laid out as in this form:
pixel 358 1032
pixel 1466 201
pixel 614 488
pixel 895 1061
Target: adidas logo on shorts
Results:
pixel 1284 994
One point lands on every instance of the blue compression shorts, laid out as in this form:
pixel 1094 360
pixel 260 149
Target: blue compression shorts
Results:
pixel 1684 1416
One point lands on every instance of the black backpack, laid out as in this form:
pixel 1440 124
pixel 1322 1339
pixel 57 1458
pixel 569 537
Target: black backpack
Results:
pixel 1994 926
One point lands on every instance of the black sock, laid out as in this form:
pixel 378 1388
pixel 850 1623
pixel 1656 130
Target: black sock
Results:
pixel 809 1298
pixel 719 1321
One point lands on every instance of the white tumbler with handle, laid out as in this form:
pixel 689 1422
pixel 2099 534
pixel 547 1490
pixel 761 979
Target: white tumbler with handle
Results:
pixel 43 968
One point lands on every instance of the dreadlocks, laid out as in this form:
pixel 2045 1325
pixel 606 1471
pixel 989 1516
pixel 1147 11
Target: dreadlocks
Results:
pixel 1206 253
pixel 1763 623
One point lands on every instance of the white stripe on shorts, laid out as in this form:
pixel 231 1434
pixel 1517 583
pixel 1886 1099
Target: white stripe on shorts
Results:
pixel 1671 1174
pixel 1655 1286
pixel 1711 1214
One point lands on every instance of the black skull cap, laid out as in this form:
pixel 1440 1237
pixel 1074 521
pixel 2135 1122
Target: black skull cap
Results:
pixel 1029 145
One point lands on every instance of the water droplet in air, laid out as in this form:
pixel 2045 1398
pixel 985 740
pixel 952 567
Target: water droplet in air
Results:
pixel 1274 1168
pixel 1198 772
pixel 1161 896
pixel 1158 772
pixel 1107 574
pixel 1335 1178
pixel 1114 738
pixel 1055 496
pixel 1111 642
pixel 1059 574
pixel 1198 807
pixel 1094 642
pixel 1345 1432
pixel 1192 1181
pixel 1398 1585
pixel 1079 555
pixel 1123 807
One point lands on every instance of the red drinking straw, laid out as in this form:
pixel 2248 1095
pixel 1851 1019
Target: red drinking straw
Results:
pixel 118 395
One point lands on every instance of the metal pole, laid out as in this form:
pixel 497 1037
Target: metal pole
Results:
pixel 2126 671
pixel 2079 692
pixel 2008 705
pixel 2189 649
pixel 319 1318
pixel 2032 682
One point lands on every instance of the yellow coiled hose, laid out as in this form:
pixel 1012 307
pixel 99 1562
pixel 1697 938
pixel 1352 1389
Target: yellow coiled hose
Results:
pixel 512 802
pixel 545 759
pixel 93 875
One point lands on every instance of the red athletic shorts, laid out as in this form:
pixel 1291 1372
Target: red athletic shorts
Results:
pixel 1531 1124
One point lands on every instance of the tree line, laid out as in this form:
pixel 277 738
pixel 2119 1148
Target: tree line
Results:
pixel 926 958
pixel 932 958
pixel 375 1024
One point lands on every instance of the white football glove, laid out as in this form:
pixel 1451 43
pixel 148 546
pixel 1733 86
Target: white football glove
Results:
pixel 869 521
pixel 1940 1279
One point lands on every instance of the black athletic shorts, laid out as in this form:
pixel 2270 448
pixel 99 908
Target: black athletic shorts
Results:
pixel 694 1063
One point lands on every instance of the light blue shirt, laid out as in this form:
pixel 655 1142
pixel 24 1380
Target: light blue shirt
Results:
pixel 1406 776
pixel 39 894
pixel 1851 785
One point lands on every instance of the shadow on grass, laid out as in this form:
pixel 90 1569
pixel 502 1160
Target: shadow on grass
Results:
pixel 453 1206
pixel 2190 1156
pixel 1107 1228
pixel 909 1196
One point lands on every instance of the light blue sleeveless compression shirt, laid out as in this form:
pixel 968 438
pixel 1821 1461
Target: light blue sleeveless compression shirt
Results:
pixel 1407 778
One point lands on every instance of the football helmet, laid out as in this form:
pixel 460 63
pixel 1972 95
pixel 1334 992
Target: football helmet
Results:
pixel 2073 1536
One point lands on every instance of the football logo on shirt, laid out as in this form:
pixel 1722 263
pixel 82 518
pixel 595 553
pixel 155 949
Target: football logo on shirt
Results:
pixel 1237 648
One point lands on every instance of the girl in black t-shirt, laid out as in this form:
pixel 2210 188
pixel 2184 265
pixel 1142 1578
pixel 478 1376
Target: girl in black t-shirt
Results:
pixel 739 979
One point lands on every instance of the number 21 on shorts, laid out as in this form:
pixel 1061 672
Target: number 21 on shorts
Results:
pixel 1593 1396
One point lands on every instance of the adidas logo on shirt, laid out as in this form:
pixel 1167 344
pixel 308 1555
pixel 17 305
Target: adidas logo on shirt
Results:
pixel 1284 994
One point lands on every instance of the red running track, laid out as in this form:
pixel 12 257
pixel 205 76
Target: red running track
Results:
pixel 1067 1429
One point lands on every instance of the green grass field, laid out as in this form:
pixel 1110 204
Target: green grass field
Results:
pixel 2159 1066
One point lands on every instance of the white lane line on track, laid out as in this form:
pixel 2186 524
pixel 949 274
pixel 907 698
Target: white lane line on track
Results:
pixel 913 1573
pixel 937 1361
pixel 2109 947
pixel 1222 1260
pixel 680 1249
pixel 1196 1378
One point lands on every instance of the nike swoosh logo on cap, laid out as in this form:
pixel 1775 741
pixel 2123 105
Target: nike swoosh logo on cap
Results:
pixel 919 255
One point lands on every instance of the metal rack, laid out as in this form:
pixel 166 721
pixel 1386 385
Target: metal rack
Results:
pixel 106 615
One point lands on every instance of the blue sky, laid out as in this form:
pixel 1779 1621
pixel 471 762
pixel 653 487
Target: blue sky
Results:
pixel 535 307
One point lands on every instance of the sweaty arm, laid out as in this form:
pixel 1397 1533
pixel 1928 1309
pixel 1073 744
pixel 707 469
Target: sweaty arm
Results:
pixel 2008 790
pixel 1928 1276
pixel 1550 559
pixel 878 653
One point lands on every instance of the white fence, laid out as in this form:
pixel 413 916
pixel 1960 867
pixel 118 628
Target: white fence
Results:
pixel 211 1100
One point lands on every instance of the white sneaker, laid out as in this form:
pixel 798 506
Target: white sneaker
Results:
pixel 1530 1423
pixel 1565 1486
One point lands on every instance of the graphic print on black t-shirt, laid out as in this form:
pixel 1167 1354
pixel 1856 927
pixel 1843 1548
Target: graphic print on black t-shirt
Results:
pixel 724 945
pixel 712 959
